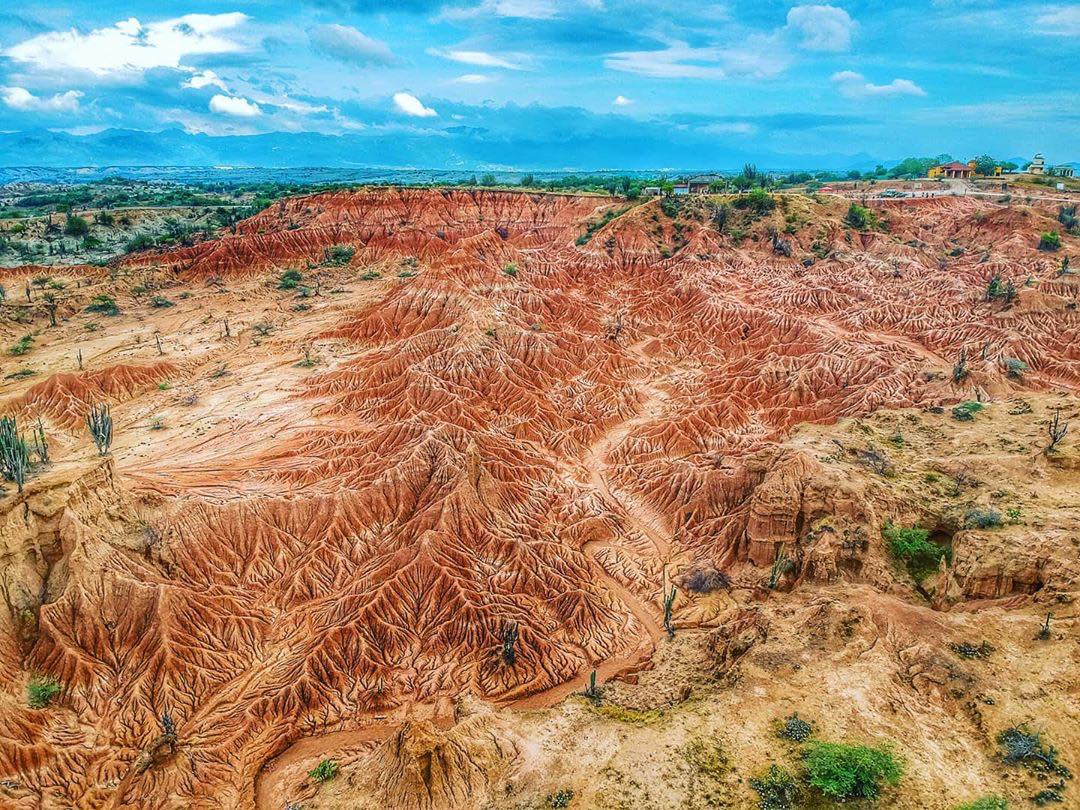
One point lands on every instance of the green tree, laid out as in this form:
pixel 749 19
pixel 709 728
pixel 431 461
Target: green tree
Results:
pixel 76 226
pixel 843 771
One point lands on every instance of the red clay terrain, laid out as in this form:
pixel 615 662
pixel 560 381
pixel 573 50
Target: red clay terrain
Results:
pixel 328 507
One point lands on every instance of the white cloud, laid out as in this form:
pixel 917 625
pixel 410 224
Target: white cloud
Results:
pixel 205 78
pixel 622 101
pixel 521 9
pixel 1063 21
pixel 473 78
pixel 823 28
pixel 349 45
pixel 855 85
pixel 759 58
pixel 478 58
pixel 235 106
pixel 129 47
pixel 19 98
pixel 411 105
pixel 729 128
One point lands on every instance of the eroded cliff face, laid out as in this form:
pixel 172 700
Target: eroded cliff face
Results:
pixel 355 494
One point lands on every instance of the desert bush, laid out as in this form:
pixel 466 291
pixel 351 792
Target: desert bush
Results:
pixel 796 729
pixel 510 269
pixel 1015 368
pixel 76 226
pixel 22 346
pixel 560 799
pixel 965 649
pixel 1050 241
pixel 338 255
pixel 103 304
pixel 979 518
pixel 912 545
pixel 669 603
pixel 842 771
pixel 41 691
pixel 965 411
pixel 985 803
pixel 160 302
pixel 324 771
pixel 776 789
pixel 290 280
pixel 759 202
pixel 140 241
pixel 1021 746
pixel 861 218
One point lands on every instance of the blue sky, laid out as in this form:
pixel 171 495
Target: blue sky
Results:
pixel 865 77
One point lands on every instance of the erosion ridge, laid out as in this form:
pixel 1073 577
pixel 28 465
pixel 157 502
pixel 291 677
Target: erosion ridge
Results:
pixel 500 427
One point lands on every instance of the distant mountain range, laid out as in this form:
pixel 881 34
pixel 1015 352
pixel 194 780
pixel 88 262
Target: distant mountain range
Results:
pixel 456 149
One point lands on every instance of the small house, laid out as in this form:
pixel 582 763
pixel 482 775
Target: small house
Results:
pixel 953 170
pixel 703 184
pixel 1037 165
pixel 651 191
pixel 681 190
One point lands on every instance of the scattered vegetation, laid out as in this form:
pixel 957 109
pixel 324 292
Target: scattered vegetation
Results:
pixel 290 280
pixel 324 771
pixel 842 771
pixel 633 717
pixel 776 789
pixel 23 345
pixel 338 255
pixel 912 545
pixel 861 218
pixel 510 269
pixel 980 518
pixel 796 729
pixel 593 227
pixel 41 691
pixel 560 799
pixel 160 302
pixel 1050 241
pixel 971 651
pixel 960 369
pixel 985 803
pixel 707 757
pixel 103 304
pixel 965 411
pixel 1015 368
pixel 1021 746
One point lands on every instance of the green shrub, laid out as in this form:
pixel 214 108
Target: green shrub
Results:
pixel 104 304
pixel 511 269
pixel 861 218
pixel 41 691
pixel 759 202
pixel 290 280
pixel 1021 746
pixel 560 799
pixel 338 255
pixel 76 226
pixel 965 411
pixel 979 518
pixel 24 344
pixel 160 302
pixel 985 803
pixel 913 546
pixel 140 241
pixel 1015 368
pixel 842 771
pixel 776 789
pixel 1050 241
pixel 324 771
pixel 795 729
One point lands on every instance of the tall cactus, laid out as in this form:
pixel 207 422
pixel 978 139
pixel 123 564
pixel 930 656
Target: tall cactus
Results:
pixel 99 423
pixel 14 454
